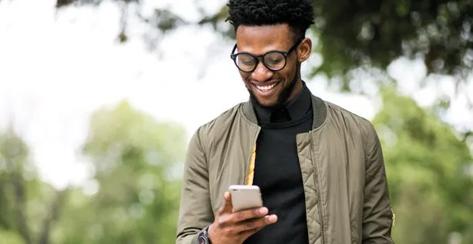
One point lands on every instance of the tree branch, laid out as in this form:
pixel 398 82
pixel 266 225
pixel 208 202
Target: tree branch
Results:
pixel 53 214
pixel 20 206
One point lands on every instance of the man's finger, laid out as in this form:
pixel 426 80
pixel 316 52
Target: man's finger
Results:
pixel 227 204
pixel 257 223
pixel 249 214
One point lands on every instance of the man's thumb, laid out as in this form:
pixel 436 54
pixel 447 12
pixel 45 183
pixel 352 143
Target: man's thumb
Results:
pixel 227 205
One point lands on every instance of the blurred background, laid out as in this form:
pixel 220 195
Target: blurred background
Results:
pixel 98 99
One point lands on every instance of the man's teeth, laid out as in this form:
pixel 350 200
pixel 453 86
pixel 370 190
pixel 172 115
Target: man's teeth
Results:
pixel 266 88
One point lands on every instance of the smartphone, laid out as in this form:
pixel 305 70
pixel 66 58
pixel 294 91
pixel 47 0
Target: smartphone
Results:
pixel 245 197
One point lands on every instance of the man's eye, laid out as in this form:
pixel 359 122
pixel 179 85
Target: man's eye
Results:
pixel 246 61
pixel 274 59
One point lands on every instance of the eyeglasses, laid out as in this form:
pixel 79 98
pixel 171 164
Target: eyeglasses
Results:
pixel 273 60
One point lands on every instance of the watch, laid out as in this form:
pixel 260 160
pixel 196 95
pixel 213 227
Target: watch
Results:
pixel 203 236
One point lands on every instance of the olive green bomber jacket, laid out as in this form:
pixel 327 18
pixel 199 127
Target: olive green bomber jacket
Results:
pixel 342 167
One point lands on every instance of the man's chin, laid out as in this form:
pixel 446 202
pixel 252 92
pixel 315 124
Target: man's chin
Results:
pixel 263 102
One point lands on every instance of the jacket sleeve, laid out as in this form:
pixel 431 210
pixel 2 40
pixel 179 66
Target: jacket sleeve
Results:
pixel 195 211
pixel 377 212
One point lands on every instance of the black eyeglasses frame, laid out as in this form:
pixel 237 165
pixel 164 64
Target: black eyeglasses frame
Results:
pixel 260 58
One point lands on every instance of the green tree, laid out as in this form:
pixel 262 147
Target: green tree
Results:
pixel 136 161
pixel 28 206
pixel 429 170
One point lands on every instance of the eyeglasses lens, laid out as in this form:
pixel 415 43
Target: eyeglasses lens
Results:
pixel 246 62
pixel 274 60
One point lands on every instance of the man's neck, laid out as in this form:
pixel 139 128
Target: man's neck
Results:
pixel 295 91
pixel 293 109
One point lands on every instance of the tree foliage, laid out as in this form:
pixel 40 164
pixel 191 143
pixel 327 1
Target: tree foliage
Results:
pixel 430 173
pixel 355 33
pixel 28 206
pixel 135 161
pixel 135 188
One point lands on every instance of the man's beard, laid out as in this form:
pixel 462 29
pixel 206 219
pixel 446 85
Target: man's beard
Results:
pixel 283 96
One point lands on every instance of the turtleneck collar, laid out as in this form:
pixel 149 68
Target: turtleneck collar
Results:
pixel 292 110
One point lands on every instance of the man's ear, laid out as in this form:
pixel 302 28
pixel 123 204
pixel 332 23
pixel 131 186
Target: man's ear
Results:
pixel 304 50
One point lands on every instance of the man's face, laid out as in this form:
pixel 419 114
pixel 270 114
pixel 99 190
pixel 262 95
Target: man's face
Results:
pixel 269 87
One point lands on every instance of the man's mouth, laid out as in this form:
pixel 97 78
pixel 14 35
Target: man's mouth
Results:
pixel 265 88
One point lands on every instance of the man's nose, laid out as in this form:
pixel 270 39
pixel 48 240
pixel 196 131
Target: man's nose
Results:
pixel 261 73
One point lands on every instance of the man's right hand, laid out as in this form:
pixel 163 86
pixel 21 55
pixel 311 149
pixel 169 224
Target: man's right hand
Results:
pixel 235 227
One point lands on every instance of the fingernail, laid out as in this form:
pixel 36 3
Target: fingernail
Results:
pixel 272 218
pixel 263 211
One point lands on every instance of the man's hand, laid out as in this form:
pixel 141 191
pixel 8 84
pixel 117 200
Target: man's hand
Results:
pixel 235 227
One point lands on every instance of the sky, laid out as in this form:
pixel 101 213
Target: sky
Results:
pixel 56 68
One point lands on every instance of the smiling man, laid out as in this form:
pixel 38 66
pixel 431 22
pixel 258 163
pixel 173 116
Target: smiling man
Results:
pixel 276 81
pixel 319 167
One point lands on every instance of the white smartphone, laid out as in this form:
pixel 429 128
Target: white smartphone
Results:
pixel 245 197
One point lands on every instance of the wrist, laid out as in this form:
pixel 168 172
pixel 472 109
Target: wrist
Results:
pixel 210 233
pixel 203 236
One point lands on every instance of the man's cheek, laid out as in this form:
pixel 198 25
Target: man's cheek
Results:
pixel 244 75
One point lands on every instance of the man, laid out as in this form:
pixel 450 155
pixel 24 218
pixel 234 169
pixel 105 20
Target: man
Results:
pixel 320 168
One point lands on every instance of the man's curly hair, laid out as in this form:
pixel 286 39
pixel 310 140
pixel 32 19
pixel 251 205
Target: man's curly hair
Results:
pixel 298 14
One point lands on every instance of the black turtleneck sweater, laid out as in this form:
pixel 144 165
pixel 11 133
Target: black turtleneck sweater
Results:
pixel 277 169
